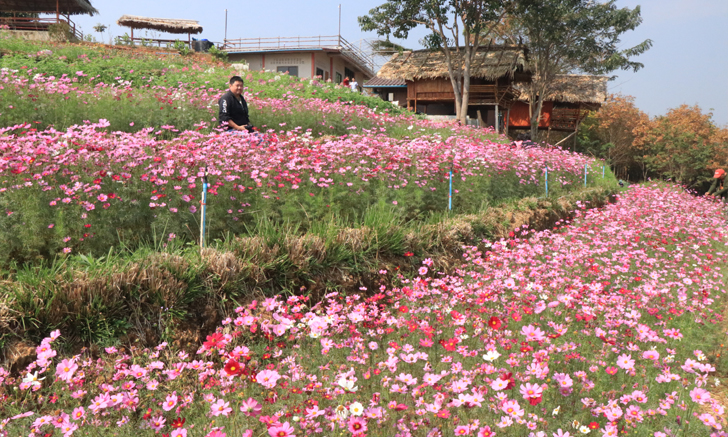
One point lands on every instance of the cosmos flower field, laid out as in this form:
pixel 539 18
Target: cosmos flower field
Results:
pixel 610 324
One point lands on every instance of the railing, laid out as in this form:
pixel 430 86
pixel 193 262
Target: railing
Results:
pixel 566 118
pixel 41 24
pixel 478 94
pixel 147 42
pixel 335 42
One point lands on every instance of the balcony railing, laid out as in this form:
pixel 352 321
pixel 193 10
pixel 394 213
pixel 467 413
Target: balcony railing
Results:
pixel 41 24
pixel 335 42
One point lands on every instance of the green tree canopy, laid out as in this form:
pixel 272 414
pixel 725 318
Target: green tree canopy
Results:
pixel 572 36
pixel 458 28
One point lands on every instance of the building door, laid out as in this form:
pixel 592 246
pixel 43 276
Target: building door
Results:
pixel 320 72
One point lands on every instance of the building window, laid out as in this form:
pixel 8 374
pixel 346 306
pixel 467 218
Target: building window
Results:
pixel 320 72
pixel 292 70
pixel 349 73
pixel 338 77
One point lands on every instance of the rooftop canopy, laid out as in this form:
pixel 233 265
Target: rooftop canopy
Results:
pixel 572 88
pixel 168 25
pixel 490 63
pixel 66 7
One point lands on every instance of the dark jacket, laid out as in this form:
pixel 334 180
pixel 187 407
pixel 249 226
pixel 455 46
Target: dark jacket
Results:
pixel 230 108
pixel 717 188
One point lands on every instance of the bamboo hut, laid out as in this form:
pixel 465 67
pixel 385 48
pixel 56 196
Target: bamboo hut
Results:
pixel 570 100
pixel 63 9
pixel 168 25
pixel 493 72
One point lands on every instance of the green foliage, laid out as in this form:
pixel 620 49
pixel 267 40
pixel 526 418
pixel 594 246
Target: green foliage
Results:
pixel 448 21
pixel 182 47
pixel 218 54
pixel 567 36
pixel 148 292
pixel 60 32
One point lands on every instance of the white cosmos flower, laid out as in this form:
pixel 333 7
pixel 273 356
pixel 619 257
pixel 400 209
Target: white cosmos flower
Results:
pixel 356 409
pixel 347 384
pixel 33 379
pixel 492 355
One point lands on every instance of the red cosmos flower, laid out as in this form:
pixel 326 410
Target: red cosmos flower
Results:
pixel 593 425
pixel 214 340
pixel 178 422
pixel 148 414
pixel 535 401
pixel 443 414
pixel 232 368
pixel 409 254
pixel 508 376
pixel 403 309
pixel 450 344
pixel 495 323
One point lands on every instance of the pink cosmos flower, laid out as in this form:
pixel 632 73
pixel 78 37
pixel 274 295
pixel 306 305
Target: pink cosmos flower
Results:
pixel 357 425
pixel 267 378
pixel 651 355
pixel 625 362
pixel 533 333
pixel 220 407
pixel 529 391
pixel 283 430
pixel 699 395
pixel 65 369
pixel 170 402
pixel 157 423
pixel 179 432
pixel 251 408
pixel 462 430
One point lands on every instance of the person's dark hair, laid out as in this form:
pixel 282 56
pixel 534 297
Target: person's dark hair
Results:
pixel 523 136
pixel 236 79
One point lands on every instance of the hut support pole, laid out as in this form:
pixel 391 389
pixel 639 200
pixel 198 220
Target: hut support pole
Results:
pixel 497 121
pixel 58 8
pixel 132 35
pixel 508 120
pixel 189 40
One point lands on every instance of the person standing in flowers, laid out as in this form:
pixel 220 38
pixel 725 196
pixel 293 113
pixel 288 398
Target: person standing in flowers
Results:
pixel 717 189
pixel 233 114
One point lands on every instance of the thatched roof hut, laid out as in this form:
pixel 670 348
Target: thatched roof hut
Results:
pixel 572 88
pixel 65 7
pixel 490 63
pixel 162 24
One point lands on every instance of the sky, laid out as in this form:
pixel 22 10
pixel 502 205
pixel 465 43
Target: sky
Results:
pixel 687 64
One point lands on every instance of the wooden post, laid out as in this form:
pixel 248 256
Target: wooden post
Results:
pixel 508 119
pixel 189 41
pixel 132 35
pixel 497 125
pixel 415 90
pixel 58 8
pixel 480 119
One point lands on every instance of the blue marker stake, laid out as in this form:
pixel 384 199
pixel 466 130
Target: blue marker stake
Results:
pixel 547 181
pixel 584 175
pixel 602 172
pixel 203 211
pixel 449 199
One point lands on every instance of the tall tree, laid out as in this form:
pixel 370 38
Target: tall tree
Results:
pixel 572 36
pixel 459 29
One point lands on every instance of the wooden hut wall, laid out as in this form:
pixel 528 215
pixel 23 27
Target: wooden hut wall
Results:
pixel 430 89
pixel 518 115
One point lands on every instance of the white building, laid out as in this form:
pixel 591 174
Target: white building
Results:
pixel 328 57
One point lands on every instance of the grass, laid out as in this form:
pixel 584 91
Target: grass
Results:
pixel 158 291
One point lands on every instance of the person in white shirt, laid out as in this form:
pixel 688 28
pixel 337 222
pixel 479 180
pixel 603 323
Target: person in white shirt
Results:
pixel 354 85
